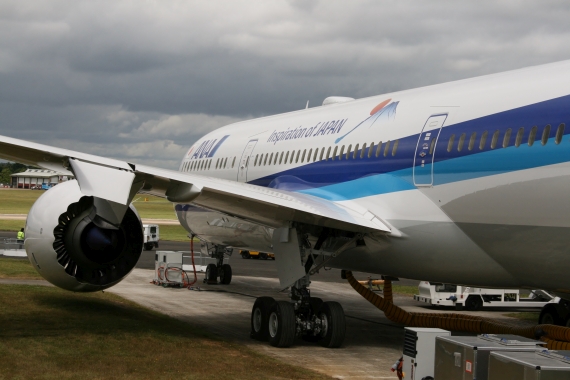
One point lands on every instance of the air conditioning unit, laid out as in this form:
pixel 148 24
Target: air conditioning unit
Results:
pixel 419 351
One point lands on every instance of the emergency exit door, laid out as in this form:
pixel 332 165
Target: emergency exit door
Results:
pixel 244 161
pixel 425 150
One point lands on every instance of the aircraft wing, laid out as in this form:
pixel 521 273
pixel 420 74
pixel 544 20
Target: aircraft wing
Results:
pixel 117 180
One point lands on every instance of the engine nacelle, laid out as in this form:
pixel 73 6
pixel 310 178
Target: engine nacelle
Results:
pixel 69 250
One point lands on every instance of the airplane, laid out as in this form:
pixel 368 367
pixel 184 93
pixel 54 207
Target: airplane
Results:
pixel 463 182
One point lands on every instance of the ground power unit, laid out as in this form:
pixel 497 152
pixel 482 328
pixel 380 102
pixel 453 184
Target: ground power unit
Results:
pixel 419 344
pixel 540 365
pixel 467 357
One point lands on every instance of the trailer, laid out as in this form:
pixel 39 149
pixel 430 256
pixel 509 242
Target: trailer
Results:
pixel 438 294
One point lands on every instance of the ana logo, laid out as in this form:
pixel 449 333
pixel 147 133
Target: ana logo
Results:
pixel 208 148
pixel 384 111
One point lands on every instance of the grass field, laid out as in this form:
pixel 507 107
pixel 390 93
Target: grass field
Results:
pixel 17 268
pixel 50 333
pixel 526 315
pixel 149 207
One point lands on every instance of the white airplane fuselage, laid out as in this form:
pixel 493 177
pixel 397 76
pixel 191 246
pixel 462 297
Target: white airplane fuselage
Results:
pixel 472 176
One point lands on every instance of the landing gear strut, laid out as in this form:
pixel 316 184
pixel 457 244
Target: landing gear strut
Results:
pixel 221 270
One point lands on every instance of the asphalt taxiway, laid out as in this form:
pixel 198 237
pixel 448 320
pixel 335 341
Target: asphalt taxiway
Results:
pixel 372 345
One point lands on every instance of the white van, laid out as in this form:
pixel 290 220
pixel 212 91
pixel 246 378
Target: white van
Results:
pixel 150 236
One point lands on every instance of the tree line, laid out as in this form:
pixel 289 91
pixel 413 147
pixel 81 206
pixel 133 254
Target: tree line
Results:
pixel 9 168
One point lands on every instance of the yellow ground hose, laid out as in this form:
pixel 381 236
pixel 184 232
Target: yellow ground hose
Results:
pixel 556 337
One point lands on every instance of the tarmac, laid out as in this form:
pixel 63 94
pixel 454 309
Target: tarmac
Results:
pixel 372 345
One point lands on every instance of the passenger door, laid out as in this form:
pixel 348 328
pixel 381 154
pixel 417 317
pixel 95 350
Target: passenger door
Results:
pixel 244 161
pixel 425 150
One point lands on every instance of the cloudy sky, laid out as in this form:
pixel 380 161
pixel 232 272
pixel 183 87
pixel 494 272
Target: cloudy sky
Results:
pixel 143 79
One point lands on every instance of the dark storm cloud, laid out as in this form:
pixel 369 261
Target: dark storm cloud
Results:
pixel 124 78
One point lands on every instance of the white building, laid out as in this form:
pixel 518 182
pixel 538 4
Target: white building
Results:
pixel 37 177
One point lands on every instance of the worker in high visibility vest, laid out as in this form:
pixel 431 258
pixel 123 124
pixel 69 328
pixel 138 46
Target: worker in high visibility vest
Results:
pixel 20 236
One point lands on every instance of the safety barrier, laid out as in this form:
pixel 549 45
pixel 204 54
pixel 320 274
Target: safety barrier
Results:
pixel 556 337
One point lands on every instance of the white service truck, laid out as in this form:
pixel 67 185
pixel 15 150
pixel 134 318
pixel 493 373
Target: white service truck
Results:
pixel 438 294
pixel 151 236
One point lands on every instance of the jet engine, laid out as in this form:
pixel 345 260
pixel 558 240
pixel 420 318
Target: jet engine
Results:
pixel 73 248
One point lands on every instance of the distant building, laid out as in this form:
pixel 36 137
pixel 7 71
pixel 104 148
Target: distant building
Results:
pixel 37 177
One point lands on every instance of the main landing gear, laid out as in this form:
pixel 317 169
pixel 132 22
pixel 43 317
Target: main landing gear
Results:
pixel 280 322
pixel 221 270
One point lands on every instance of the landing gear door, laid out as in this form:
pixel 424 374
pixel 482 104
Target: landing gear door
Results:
pixel 244 161
pixel 425 150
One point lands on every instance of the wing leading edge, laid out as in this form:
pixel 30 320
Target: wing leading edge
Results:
pixel 270 207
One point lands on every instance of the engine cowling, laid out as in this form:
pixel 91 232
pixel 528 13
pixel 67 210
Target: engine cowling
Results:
pixel 72 252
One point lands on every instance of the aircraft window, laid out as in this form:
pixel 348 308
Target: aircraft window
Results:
pixel 265 161
pixel 286 157
pixel 348 151
pixel 431 145
pixel 507 138
pixel 297 158
pixel 217 162
pixel 559 133
pixel 450 143
pixel 495 139
pixel 225 162
pixel 292 157
pixel 519 137
pixel 341 153
pixel 255 161
pixel 328 153
pixel 362 151
pixel 386 148
pixel 472 141
pixel 275 159
pixel 532 135
pixel 209 164
pixel 203 165
pixel 395 147
pixel 545 134
pixel 247 161
pixel 379 149
pixel 315 155
pixel 303 156
pixel 309 155
pixel 192 166
pixel 322 154
pixel 355 151
pixel 461 142
pixel 334 153
pixel 280 158
pixel 483 140
pixel 233 162
pixel 370 150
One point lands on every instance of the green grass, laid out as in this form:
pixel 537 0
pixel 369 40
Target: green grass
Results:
pixel 525 316
pixel 150 207
pixel 17 268
pixel 11 225
pixel 404 290
pixel 48 333
pixel 173 233
pixel 14 201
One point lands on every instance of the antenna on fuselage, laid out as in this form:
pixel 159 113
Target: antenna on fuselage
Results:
pixel 307 106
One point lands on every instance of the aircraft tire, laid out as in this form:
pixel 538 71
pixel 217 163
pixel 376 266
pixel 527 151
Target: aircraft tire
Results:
pixel 282 326
pixel 334 332
pixel 226 274
pixel 260 318
pixel 212 274
pixel 245 255
pixel 473 303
